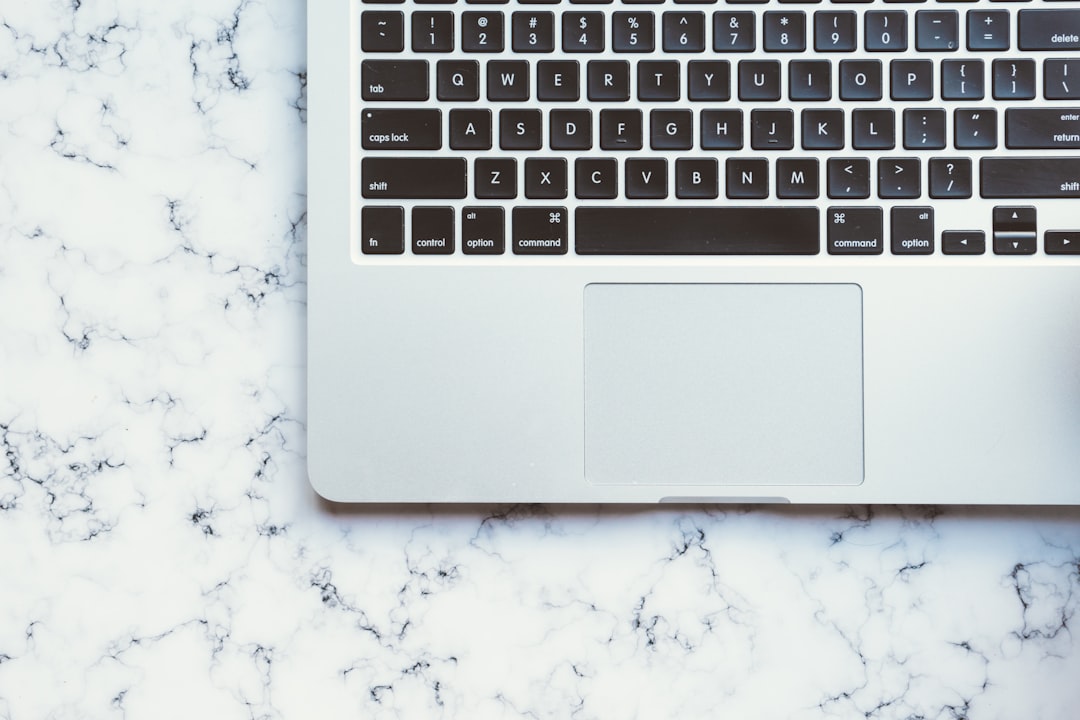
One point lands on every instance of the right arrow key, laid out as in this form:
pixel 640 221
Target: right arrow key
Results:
pixel 1014 230
pixel 1062 242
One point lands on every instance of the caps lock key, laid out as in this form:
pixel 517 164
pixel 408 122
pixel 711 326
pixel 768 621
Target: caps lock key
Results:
pixel 384 129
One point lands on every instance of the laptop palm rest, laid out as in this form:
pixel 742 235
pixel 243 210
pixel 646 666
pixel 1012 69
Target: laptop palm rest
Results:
pixel 723 384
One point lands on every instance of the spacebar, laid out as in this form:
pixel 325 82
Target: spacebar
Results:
pixel 696 230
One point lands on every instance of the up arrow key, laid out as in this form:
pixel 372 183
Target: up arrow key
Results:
pixel 1014 230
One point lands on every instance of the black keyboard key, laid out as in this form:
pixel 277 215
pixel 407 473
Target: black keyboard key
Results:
pixel 873 129
pixel 1014 79
pixel 854 231
pixel 697 231
pixel 784 31
pixel 558 80
pixel 899 178
pixel 1042 128
pixel 834 31
pixel 911 230
pixel 583 32
pixel 508 80
pixel 632 32
pixel 1061 242
pixel 683 32
pixel 1030 177
pixel 709 80
pixel 810 80
pixel 1061 79
pixel 759 80
pixel 975 128
pixel 432 230
pixel 822 129
pixel 950 178
pixel 911 80
pixel 433 31
pixel 772 129
pixel 963 242
pixel 860 80
pixel 646 178
pixel 734 32
pixel 413 178
pixel 470 129
pixel 382 31
pixel 721 129
pixel 696 179
pixel 482 31
pixel 885 30
pixel 570 130
pixel 620 129
pixel 658 80
pixel 671 130
pixel 596 178
pixel 1015 230
pixel 1049 29
pixel 747 178
pixel 532 32
pixel 848 178
pixel 520 130
pixel 382 230
pixel 924 129
pixel 496 178
pixel 988 29
pixel 937 30
pixel 797 178
pixel 962 79
pixel 609 80
pixel 540 231
pixel 394 80
pixel 457 80
pixel 483 231
pixel 545 178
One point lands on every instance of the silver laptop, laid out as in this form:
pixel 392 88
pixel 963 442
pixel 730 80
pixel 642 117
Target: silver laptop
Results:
pixel 647 251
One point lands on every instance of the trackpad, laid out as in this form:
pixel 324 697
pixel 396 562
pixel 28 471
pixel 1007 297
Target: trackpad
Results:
pixel 723 384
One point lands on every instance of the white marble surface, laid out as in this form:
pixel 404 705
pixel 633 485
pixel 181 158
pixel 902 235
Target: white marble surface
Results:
pixel 164 557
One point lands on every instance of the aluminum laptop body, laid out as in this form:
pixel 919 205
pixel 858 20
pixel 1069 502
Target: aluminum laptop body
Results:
pixel 639 377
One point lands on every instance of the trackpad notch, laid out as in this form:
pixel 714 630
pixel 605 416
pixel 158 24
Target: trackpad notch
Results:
pixel 715 384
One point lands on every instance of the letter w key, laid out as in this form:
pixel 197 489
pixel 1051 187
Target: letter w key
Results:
pixel 508 80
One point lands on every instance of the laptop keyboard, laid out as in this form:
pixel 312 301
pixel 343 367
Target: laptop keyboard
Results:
pixel 718 128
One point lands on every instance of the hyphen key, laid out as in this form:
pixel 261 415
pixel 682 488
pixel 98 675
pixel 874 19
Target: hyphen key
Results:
pixel 413 178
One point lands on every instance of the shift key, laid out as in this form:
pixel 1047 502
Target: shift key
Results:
pixel 409 178
pixel 384 129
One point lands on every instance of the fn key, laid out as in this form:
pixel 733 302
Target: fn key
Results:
pixel 382 230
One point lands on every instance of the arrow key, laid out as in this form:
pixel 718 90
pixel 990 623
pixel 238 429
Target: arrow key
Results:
pixel 963 242
pixel 1014 230
pixel 1062 242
